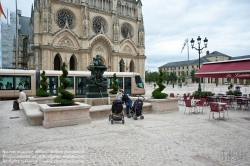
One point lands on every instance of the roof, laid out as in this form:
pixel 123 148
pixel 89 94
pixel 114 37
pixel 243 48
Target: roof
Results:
pixel 187 62
pixel 24 22
pixel 239 57
pixel 215 53
pixel 203 59
pixel 225 69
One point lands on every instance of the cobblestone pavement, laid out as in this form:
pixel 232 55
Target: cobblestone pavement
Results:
pixel 166 139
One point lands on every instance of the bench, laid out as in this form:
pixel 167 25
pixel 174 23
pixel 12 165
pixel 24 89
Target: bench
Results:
pixel 104 110
pixel 32 113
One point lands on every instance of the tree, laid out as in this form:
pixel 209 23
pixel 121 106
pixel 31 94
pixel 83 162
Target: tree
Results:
pixel 151 76
pixel 194 79
pixel 42 91
pixel 173 77
pixel 114 85
pixel 65 98
pixel 183 76
pixel 157 92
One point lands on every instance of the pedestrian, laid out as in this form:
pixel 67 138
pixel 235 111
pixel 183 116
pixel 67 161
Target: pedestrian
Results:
pixel 119 95
pixel 128 103
pixel 154 86
pixel 22 98
pixel 231 86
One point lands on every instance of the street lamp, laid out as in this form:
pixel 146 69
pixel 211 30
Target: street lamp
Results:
pixel 199 51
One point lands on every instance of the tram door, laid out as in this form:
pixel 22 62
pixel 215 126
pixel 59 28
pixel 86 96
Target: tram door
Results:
pixel 52 85
pixel 127 86
pixel 81 86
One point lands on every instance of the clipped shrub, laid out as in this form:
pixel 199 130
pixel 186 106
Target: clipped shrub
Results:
pixel 230 92
pixel 202 94
pixel 65 98
pixel 237 93
pixel 157 92
pixel 114 85
pixel 42 91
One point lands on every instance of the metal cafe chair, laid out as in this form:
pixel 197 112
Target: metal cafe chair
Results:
pixel 215 108
pixel 202 103
pixel 189 105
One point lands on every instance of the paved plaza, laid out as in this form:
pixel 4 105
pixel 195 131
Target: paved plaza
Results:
pixel 164 139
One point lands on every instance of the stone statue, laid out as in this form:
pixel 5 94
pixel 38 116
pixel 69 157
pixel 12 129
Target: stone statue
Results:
pixel 86 27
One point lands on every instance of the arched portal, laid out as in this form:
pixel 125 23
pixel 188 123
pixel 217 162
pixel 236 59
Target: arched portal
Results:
pixel 132 66
pixel 57 62
pixel 122 65
pixel 72 63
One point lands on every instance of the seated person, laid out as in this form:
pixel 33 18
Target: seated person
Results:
pixel 119 95
pixel 22 98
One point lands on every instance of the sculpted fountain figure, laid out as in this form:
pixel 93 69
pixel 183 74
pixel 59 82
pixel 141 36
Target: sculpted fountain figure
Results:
pixel 97 84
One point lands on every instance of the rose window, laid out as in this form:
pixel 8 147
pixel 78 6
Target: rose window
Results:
pixel 63 17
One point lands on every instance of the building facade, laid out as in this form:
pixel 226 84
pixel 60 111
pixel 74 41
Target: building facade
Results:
pixel 75 31
pixel 189 65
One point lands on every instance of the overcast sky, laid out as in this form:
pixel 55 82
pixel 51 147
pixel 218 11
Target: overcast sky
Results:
pixel 225 23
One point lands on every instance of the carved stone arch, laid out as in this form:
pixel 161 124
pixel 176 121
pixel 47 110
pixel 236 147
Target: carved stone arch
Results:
pixel 57 62
pixel 103 46
pixel 128 47
pixel 66 39
pixel 73 63
pixel 131 66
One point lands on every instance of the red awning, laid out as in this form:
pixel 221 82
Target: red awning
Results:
pixel 225 69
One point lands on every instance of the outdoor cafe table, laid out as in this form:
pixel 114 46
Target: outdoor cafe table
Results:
pixel 220 104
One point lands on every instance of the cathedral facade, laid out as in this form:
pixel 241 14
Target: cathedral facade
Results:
pixel 75 31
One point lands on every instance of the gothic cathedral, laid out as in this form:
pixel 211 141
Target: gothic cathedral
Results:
pixel 75 31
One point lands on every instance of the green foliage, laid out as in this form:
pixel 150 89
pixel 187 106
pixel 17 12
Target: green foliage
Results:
pixel 114 85
pixel 237 93
pixel 151 76
pixel 202 94
pixel 183 76
pixel 194 79
pixel 42 91
pixel 229 92
pixel 157 92
pixel 66 98
pixel 173 77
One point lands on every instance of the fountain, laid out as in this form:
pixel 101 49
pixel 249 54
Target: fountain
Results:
pixel 97 84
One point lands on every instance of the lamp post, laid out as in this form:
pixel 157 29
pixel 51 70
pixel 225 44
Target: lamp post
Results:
pixel 199 51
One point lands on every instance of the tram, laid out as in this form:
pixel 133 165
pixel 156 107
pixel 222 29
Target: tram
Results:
pixel 12 79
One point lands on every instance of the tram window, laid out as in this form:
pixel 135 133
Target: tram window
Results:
pixel 22 81
pixel 109 80
pixel 71 80
pixel 120 82
pixel 139 82
pixel 53 85
pixel 6 82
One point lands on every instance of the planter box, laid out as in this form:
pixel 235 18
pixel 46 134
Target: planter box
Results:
pixel 42 100
pixel 163 105
pixel 58 116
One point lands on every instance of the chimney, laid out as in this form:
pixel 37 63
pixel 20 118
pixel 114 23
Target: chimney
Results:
pixel 207 52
